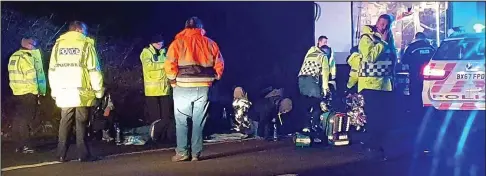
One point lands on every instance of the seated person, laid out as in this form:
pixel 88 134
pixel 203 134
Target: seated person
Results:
pixel 241 106
pixel 103 119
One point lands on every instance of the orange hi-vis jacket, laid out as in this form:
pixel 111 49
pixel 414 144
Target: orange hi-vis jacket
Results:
pixel 193 60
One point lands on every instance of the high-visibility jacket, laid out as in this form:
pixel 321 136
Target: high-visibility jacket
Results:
pixel 26 72
pixel 376 67
pixel 154 77
pixel 193 60
pixel 316 64
pixel 74 71
pixel 353 62
pixel 332 65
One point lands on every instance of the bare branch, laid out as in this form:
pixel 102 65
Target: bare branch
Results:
pixel 59 30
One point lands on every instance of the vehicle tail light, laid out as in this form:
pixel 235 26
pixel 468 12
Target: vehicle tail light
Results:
pixel 434 74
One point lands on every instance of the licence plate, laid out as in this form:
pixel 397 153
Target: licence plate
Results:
pixel 470 76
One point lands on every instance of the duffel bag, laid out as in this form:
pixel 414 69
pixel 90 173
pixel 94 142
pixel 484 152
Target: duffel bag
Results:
pixel 336 126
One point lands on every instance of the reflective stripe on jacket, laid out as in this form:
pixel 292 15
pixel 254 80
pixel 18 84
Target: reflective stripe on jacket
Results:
pixel 375 71
pixel 74 71
pixel 193 60
pixel 316 64
pixel 26 73
pixel 155 79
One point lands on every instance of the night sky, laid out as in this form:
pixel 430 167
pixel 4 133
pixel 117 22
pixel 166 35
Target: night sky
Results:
pixel 263 43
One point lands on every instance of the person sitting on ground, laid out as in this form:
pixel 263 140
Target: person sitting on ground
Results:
pixel 104 118
pixel 241 105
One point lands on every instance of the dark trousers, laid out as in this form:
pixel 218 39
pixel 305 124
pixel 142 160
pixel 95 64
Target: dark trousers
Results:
pixel 265 125
pixel 379 111
pixel 161 107
pixel 416 87
pixel 68 115
pixel 25 109
pixel 312 116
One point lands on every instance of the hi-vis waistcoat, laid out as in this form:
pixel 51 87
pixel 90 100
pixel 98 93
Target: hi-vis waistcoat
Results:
pixel 26 73
pixel 155 79
pixel 74 71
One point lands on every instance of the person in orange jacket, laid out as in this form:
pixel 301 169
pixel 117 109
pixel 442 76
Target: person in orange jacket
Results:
pixel 193 63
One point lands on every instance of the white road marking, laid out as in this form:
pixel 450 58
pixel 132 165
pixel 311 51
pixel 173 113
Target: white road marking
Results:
pixel 30 166
pixel 110 156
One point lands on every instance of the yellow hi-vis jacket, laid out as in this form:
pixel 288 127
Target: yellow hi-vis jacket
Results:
pixel 74 71
pixel 353 62
pixel 316 64
pixel 26 73
pixel 154 77
pixel 376 67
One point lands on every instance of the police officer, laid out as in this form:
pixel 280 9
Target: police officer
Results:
pixel 376 46
pixel 27 81
pixel 156 84
pixel 76 81
pixel 416 55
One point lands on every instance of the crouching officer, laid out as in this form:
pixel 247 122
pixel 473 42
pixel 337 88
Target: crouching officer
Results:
pixel 76 81
pixel 27 81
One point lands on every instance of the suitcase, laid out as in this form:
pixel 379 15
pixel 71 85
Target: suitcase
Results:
pixel 336 126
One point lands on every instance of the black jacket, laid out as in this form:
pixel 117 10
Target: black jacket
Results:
pixel 417 55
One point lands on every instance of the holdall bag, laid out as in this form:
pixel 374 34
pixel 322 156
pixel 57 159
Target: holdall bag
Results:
pixel 336 126
pixel 303 139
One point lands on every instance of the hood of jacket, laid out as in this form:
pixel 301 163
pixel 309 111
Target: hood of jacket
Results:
pixel 188 32
pixel 313 49
pixel 75 35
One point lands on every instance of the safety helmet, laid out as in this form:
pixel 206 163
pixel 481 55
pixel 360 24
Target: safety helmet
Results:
pixel 194 22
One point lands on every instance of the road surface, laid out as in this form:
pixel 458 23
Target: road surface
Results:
pixel 249 158
pixel 460 153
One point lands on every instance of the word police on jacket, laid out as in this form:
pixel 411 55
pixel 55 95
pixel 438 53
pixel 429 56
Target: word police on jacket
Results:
pixel 69 51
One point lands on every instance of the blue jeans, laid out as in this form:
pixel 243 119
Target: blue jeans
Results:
pixel 190 103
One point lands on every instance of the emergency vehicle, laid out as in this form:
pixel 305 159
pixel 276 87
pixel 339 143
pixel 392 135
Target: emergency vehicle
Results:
pixel 454 79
